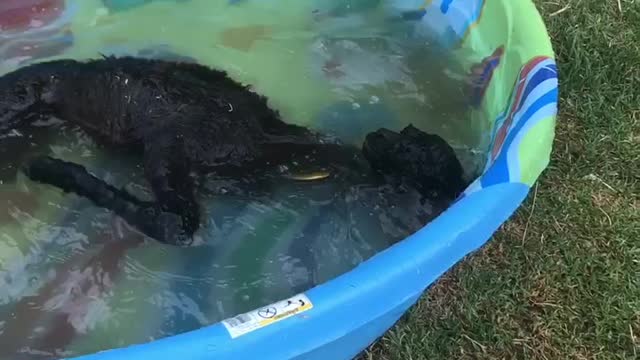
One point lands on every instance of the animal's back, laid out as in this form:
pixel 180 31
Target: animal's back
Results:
pixel 126 100
pixel 133 101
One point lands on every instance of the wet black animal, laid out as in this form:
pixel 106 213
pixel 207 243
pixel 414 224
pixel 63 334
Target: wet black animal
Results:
pixel 186 119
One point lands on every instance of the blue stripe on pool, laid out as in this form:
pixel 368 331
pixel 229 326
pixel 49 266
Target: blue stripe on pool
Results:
pixel 499 172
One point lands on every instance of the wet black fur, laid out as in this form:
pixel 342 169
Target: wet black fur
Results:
pixel 184 119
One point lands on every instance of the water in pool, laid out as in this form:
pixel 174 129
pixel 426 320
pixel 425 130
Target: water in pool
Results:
pixel 74 279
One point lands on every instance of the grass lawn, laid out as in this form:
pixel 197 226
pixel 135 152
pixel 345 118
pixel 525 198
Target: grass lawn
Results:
pixel 561 279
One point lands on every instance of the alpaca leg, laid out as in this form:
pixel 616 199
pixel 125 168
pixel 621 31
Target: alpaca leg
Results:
pixel 148 217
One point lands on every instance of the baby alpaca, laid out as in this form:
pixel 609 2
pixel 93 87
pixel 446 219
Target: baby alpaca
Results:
pixel 183 119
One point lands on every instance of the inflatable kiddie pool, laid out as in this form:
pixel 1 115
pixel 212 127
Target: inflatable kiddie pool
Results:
pixel 504 46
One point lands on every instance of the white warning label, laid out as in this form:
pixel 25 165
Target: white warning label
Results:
pixel 248 322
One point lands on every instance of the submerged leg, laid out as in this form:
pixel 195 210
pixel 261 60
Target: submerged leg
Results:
pixel 168 171
pixel 21 135
pixel 148 217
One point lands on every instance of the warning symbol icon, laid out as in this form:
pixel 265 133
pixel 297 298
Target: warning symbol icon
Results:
pixel 267 313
